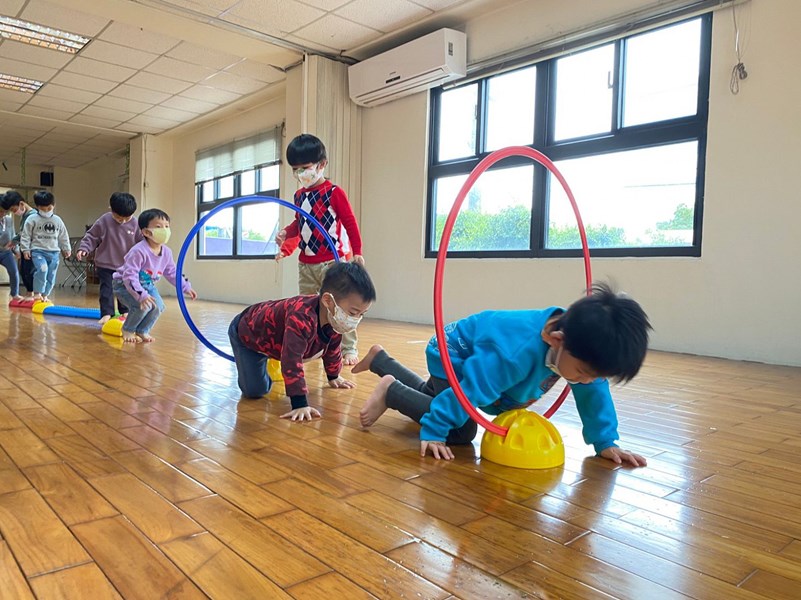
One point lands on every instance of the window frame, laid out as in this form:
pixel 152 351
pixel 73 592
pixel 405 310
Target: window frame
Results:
pixel 203 207
pixel 619 138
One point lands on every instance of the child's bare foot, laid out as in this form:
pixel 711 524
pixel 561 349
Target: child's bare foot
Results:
pixel 144 337
pixel 104 319
pixel 130 337
pixel 351 358
pixel 364 364
pixel 376 403
pixel 17 299
pixel 45 299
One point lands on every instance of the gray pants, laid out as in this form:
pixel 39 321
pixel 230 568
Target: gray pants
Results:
pixel 410 395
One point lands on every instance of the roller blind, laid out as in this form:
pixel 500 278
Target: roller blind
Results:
pixel 238 155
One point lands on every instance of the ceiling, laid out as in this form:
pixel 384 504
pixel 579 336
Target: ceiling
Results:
pixel 152 65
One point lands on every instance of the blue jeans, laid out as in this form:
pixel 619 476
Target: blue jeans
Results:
pixel 251 366
pixel 9 261
pixel 45 267
pixel 138 320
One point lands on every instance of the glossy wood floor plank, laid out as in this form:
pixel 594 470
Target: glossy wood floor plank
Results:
pixel 37 537
pixel 15 587
pixel 75 583
pixel 135 472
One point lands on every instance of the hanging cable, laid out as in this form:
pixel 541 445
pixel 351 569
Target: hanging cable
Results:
pixel 738 72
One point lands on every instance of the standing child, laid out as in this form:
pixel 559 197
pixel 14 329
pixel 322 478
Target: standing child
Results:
pixel 134 282
pixel 7 257
pixel 110 238
pixel 15 203
pixel 507 359
pixel 299 329
pixel 328 204
pixel 43 235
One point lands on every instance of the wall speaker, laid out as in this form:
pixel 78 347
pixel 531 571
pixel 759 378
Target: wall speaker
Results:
pixel 45 179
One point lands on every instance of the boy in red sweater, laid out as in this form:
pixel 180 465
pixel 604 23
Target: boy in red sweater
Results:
pixel 328 204
pixel 299 329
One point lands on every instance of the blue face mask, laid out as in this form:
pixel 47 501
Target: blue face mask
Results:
pixel 46 213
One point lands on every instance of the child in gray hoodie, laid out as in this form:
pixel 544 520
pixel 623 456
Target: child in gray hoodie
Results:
pixel 43 235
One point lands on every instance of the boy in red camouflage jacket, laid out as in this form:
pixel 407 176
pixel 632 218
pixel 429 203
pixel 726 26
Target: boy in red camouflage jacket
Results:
pixel 299 329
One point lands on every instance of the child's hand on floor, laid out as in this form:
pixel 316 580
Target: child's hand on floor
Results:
pixel 307 413
pixel 438 449
pixel 341 382
pixel 619 456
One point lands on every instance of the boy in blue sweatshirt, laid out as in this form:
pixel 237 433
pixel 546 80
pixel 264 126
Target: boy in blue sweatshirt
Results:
pixel 508 359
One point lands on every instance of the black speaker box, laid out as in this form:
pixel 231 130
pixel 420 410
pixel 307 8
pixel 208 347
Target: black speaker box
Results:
pixel 45 179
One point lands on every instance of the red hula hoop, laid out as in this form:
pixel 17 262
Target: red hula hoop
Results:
pixel 485 164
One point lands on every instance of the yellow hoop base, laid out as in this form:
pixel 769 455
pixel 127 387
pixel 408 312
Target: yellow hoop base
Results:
pixel 274 369
pixel 532 442
pixel 113 327
pixel 38 307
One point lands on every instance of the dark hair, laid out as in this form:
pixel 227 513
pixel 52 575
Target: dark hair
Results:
pixel 43 198
pixel 346 278
pixel 608 331
pixel 122 204
pixel 148 215
pixel 12 198
pixel 305 148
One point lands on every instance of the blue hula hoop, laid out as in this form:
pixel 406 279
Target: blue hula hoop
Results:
pixel 179 267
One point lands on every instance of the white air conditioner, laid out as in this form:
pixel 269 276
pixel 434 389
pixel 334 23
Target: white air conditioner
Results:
pixel 413 67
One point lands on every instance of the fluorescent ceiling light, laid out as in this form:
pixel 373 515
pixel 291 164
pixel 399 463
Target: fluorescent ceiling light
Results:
pixel 19 84
pixel 39 35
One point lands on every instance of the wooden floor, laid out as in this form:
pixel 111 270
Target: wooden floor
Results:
pixel 135 472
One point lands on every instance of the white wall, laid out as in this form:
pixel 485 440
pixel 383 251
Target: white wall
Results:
pixel 82 194
pixel 171 187
pixel 740 299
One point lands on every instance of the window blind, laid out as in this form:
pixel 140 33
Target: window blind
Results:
pixel 238 155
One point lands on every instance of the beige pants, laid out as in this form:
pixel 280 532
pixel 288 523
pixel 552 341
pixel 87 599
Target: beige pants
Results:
pixel 310 280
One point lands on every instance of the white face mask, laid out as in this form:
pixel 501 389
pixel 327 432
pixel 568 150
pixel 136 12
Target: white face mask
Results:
pixel 553 363
pixel 308 177
pixel 341 322
pixel 46 213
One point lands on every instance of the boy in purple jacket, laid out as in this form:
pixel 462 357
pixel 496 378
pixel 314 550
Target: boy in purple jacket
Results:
pixel 110 238
pixel 134 283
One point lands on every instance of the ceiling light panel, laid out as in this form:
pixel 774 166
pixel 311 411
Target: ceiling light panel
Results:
pixel 39 35
pixel 19 84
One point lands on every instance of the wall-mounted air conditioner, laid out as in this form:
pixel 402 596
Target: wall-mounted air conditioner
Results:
pixel 413 67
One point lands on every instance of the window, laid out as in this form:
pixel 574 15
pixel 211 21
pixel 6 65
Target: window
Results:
pixel 625 122
pixel 242 168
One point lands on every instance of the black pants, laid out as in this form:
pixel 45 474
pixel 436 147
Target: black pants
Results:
pixel 107 294
pixel 26 273
pixel 410 395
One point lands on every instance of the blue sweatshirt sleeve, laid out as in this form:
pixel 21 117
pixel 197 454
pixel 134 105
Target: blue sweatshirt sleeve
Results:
pixel 597 413
pixel 485 375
